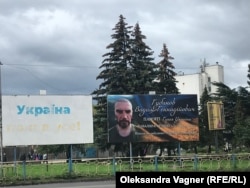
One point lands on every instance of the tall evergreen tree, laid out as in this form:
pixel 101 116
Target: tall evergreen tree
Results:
pixel 114 75
pixel 127 68
pixel 143 69
pixel 228 97
pixel 242 128
pixel 115 63
pixel 206 137
pixel 166 83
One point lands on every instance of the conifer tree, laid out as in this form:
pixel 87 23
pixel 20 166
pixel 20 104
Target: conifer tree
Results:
pixel 115 63
pixel 228 97
pixel 143 69
pixel 242 128
pixel 166 83
pixel 127 68
pixel 206 137
pixel 114 75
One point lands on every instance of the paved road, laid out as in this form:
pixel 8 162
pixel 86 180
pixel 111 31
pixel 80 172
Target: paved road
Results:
pixel 94 184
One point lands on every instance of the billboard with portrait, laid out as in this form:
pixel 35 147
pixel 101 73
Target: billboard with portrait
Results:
pixel 152 118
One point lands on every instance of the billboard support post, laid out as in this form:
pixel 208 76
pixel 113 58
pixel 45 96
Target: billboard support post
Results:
pixel 131 155
pixel 216 141
pixel 70 159
pixel 15 160
pixel 179 153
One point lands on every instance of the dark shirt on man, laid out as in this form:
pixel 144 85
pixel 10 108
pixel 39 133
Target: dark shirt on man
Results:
pixel 115 137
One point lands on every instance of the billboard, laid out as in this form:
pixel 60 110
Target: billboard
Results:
pixel 216 117
pixel 152 118
pixel 47 120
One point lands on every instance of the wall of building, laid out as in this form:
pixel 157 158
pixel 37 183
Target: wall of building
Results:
pixel 216 73
pixel 189 84
pixel 195 83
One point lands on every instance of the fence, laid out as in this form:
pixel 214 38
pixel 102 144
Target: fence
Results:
pixel 106 167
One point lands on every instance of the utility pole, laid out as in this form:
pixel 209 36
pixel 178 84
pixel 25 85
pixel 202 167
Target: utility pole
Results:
pixel 1 121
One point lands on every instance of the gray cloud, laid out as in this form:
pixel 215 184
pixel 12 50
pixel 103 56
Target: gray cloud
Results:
pixel 58 45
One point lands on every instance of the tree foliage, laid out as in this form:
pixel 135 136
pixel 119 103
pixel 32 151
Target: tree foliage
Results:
pixel 237 112
pixel 142 70
pixel 166 75
pixel 242 115
pixel 127 68
pixel 205 136
pixel 114 73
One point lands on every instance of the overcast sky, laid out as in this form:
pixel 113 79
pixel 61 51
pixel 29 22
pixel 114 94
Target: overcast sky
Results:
pixel 57 45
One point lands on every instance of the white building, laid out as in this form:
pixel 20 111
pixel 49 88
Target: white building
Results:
pixel 195 83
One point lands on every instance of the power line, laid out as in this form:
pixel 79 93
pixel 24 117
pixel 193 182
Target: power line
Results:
pixel 84 66
pixel 46 84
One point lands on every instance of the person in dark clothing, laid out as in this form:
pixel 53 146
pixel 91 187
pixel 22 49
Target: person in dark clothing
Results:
pixel 23 157
pixel 4 157
pixel 124 130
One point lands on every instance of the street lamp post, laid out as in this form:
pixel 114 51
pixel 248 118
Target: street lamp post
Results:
pixel 1 122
